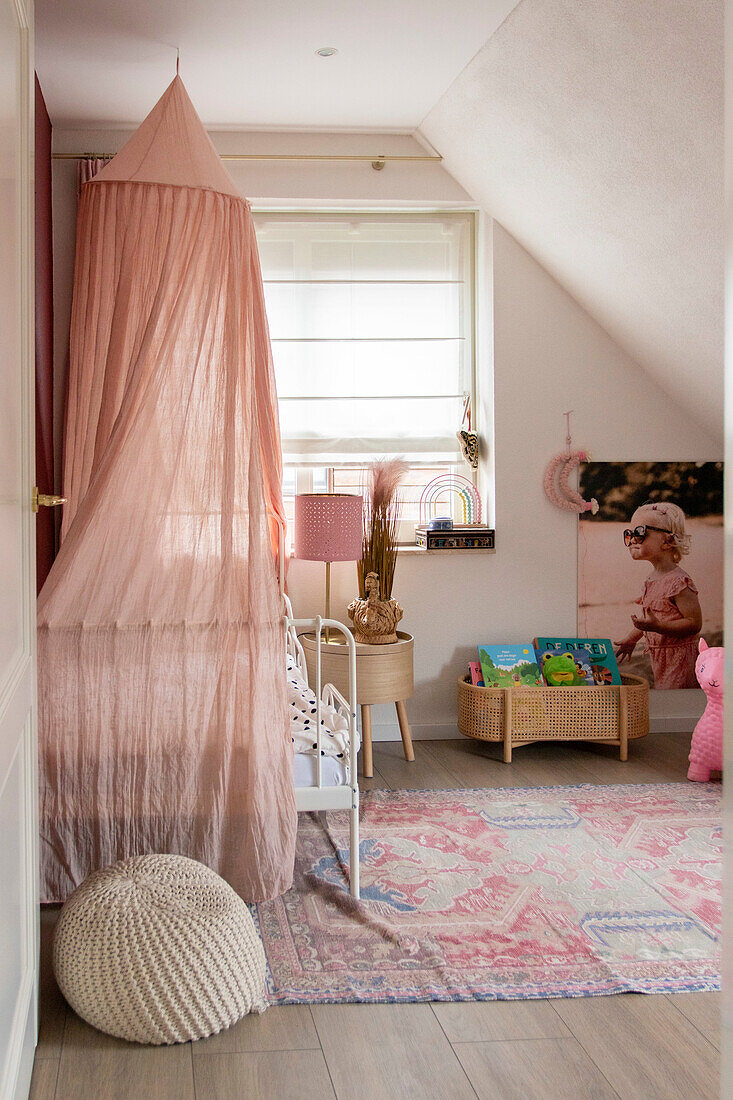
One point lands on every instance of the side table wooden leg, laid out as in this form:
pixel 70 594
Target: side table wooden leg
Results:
pixel 623 724
pixel 366 741
pixel 405 730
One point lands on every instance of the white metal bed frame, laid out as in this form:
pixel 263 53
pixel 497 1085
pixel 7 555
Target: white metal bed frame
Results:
pixel 318 797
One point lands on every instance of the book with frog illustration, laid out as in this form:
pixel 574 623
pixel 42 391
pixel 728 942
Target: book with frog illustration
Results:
pixel 595 653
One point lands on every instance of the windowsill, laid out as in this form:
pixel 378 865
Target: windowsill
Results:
pixel 407 550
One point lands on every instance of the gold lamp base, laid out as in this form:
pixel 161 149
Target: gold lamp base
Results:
pixel 328 598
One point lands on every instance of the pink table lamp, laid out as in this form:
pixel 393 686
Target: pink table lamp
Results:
pixel 328 528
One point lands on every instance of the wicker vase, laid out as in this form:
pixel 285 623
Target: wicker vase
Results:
pixel 374 620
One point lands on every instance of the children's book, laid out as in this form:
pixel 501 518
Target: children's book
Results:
pixel 509 665
pixel 594 653
pixel 569 667
pixel 477 676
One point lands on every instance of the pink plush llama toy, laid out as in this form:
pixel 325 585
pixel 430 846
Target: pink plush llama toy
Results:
pixel 706 751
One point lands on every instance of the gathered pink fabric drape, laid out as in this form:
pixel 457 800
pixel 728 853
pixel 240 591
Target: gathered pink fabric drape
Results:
pixel 162 708
pixel 87 168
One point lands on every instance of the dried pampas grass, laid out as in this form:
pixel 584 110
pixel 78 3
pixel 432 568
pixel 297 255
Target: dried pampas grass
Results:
pixel 380 524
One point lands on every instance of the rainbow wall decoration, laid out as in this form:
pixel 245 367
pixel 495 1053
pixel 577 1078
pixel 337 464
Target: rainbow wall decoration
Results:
pixel 435 492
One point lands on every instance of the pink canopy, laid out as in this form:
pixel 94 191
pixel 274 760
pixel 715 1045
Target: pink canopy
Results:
pixel 162 708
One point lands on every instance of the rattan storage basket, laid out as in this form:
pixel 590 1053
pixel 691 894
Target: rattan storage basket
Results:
pixel 518 716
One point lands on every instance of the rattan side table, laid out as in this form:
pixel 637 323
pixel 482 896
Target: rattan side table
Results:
pixel 384 674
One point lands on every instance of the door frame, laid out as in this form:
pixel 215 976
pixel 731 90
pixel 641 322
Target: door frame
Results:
pixel 18 694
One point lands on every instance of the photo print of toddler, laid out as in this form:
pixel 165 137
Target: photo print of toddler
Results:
pixel 650 564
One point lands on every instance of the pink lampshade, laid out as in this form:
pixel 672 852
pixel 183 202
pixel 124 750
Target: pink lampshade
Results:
pixel 328 526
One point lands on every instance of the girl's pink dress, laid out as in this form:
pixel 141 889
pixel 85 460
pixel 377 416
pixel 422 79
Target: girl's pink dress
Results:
pixel 673 659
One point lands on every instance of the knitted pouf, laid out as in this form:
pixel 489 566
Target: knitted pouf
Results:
pixel 159 949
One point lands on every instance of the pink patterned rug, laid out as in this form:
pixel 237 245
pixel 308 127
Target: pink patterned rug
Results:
pixel 504 894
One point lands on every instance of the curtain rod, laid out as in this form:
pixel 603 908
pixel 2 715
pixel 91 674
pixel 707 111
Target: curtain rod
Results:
pixel 375 161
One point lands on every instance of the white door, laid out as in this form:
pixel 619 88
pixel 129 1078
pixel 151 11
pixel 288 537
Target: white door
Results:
pixel 18 814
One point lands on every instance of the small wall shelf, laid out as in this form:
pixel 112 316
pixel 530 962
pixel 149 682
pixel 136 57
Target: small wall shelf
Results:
pixel 441 553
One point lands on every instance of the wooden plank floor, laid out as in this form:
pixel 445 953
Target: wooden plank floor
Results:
pixel 630 1046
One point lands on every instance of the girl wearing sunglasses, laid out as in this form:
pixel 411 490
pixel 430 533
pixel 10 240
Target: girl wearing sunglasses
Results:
pixel 670 617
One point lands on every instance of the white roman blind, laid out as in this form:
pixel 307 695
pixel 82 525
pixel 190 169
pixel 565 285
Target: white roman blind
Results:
pixel 371 321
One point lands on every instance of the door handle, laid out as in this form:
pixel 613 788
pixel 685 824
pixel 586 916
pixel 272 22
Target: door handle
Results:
pixel 44 500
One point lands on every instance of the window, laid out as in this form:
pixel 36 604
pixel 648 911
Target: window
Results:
pixel 371 321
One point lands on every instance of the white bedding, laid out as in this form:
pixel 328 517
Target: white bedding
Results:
pixel 334 742
pixel 334 773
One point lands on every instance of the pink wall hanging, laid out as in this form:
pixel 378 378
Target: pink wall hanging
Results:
pixel 556 480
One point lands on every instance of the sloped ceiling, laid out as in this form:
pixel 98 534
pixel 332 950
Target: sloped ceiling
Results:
pixel 594 133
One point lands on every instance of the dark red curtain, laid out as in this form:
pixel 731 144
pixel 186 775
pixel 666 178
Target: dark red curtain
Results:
pixel 45 520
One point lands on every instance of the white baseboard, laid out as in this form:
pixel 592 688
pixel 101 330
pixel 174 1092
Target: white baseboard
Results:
pixel 388 732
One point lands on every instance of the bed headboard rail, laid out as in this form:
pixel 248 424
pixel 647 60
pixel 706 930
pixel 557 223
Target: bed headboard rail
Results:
pixel 295 650
pixel 292 642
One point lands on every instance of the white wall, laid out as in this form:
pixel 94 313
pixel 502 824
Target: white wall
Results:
pixel 548 355
pixel 545 345
pixel 726 1087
